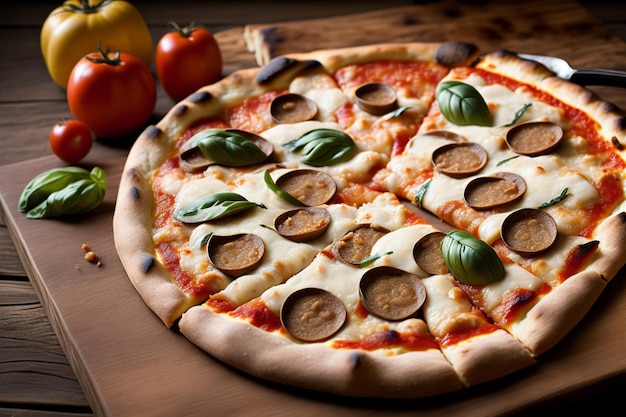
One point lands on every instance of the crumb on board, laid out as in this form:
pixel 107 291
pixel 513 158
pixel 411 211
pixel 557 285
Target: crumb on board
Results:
pixel 90 256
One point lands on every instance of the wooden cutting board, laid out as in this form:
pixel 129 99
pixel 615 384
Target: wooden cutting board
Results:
pixel 129 364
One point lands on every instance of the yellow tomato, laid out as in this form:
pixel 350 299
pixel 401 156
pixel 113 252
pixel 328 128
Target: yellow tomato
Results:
pixel 76 28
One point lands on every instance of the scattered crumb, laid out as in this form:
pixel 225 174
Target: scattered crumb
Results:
pixel 90 256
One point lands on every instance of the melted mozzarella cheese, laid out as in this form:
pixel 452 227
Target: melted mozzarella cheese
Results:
pixel 400 243
pixel 446 308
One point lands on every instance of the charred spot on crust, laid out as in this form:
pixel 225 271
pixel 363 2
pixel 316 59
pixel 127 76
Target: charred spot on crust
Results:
pixel 200 97
pixel 147 261
pixel 153 132
pixel 456 53
pixel 273 68
pixel 279 65
pixel 180 110
pixel 134 175
pixel 392 337
pixel 617 144
pixel 134 192
pixel 356 359
pixel 621 123
pixel 272 37
pixel 587 248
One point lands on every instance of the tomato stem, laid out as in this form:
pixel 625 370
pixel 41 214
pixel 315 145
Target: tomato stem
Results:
pixel 185 30
pixel 104 57
pixel 85 7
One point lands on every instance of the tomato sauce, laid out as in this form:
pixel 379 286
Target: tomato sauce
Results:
pixel 259 315
pixel 419 78
pixel 253 115
pixel 219 306
pixel 455 337
pixel 577 259
pixel 517 303
pixel 389 339
pixel 171 261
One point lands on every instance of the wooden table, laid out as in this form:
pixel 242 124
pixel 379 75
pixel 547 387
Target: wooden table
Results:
pixel 36 378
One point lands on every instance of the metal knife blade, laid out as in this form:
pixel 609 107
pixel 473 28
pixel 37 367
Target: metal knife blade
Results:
pixel 582 77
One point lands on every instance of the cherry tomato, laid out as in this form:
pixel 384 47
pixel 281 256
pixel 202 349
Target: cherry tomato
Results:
pixel 70 140
pixel 114 94
pixel 187 59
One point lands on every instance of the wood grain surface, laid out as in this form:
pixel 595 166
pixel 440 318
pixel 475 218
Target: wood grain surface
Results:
pixel 121 354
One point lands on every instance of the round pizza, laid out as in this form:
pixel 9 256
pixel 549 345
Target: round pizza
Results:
pixel 395 220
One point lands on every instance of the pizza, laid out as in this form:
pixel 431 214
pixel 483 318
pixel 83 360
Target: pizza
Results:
pixel 396 220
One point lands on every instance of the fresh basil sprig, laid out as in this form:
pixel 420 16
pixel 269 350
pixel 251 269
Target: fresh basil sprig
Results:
pixel 63 191
pixel 421 192
pixel 519 114
pixel 322 147
pixel 279 191
pixel 564 194
pixel 227 147
pixel 504 161
pixel 462 104
pixel 371 259
pixel 39 188
pixel 214 206
pixel 471 260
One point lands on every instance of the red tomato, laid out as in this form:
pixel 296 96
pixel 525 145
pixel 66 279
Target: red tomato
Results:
pixel 113 94
pixel 70 140
pixel 187 59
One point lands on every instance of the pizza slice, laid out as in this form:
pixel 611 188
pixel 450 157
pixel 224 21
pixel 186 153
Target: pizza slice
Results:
pixel 538 174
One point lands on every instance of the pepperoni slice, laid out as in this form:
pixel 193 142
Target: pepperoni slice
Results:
pixel 529 231
pixel 391 294
pixel 236 255
pixel 309 186
pixel 313 314
pixel 376 98
pixel 485 193
pixel 534 138
pixel 302 224
pixel 459 160
pixel 292 108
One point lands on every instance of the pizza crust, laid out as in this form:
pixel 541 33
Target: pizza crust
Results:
pixel 487 357
pixel 612 236
pixel 132 222
pixel 559 311
pixel 318 367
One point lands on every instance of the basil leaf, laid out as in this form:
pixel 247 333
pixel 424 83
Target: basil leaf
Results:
pixel 462 104
pixel 214 206
pixel 504 161
pixel 371 259
pixel 205 239
pixel 564 194
pixel 421 192
pixel 397 112
pixel 279 191
pixel 78 197
pixel 323 147
pixel 471 260
pixel 227 148
pixel 519 114
pixel 39 188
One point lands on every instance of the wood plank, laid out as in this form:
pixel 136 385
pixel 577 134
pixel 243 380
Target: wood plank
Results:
pixel 43 372
pixel 38 147
pixel 533 26
pixel 90 307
